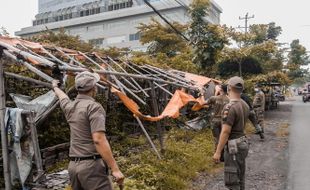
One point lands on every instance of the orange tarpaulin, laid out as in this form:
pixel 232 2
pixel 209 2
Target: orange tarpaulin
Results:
pixel 199 80
pixel 179 100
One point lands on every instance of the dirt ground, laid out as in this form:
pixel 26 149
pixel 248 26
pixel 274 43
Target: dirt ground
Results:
pixel 267 163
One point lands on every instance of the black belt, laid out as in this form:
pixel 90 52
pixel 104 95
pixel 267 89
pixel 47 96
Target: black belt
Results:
pixel 76 159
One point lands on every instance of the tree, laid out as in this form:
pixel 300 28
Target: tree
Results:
pixel 208 40
pixel 250 66
pixel 4 32
pixel 255 44
pixel 298 58
pixel 273 31
pixel 162 38
pixel 62 39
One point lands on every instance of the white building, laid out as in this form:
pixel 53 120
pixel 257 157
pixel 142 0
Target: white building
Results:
pixel 108 22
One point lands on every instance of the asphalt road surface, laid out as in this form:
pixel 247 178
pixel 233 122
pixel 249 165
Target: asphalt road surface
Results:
pixel 299 147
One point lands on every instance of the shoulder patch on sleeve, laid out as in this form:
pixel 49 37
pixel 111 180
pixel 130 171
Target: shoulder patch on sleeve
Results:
pixel 226 111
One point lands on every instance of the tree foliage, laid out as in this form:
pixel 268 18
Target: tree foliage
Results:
pixel 4 32
pixel 208 40
pixel 263 32
pixel 259 44
pixel 62 39
pixel 162 38
pixel 230 67
pixel 298 58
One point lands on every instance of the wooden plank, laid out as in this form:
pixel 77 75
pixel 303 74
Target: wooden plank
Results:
pixel 23 78
pixel 156 112
pixel 148 138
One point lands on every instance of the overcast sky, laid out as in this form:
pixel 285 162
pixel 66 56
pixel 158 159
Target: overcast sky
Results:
pixel 292 16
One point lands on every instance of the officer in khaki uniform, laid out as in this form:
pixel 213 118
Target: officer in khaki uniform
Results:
pixel 259 105
pixel 90 153
pixel 232 138
pixel 217 103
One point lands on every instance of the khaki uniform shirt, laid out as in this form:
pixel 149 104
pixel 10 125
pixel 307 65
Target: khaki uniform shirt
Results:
pixel 217 103
pixel 235 114
pixel 85 116
pixel 259 100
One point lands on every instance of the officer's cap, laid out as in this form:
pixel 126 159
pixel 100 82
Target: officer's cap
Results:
pixel 236 82
pixel 85 81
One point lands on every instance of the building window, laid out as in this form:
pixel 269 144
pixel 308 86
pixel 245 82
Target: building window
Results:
pixel 122 5
pixel 97 10
pixel 96 42
pixel 134 37
pixel 117 39
pixel 81 13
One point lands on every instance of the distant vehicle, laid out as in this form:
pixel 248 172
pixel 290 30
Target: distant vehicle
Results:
pixel 300 91
pixel 272 91
pixel 280 96
pixel 306 93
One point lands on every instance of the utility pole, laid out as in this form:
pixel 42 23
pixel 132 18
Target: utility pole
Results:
pixel 246 19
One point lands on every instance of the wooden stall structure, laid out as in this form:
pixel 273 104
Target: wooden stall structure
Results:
pixel 165 91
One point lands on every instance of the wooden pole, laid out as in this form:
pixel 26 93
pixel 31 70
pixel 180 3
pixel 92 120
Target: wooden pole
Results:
pixel 4 138
pixel 156 112
pixel 129 75
pixel 26 54
pixel 30 67
pixel 23 78
pixel 132 79
pixel 148 138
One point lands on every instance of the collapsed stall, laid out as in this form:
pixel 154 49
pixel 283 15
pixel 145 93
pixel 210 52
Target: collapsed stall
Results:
pixel 164 91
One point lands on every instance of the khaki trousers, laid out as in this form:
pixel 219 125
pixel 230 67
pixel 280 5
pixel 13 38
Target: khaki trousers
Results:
pixel 89 175
pixel 234 169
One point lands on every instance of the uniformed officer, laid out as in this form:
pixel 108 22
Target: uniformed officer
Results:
pixel 217 103
pixel 259 105
pixel 232 138
pixel 90 153
pixel 253 116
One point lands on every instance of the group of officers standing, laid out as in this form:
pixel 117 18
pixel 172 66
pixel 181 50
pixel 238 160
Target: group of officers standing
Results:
pixel 90 153
pixel 231 109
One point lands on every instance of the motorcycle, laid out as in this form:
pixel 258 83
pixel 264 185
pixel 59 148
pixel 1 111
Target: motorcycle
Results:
pixel 306 97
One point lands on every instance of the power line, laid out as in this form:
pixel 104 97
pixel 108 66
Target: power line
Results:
pixel 165 20
pixel 246 20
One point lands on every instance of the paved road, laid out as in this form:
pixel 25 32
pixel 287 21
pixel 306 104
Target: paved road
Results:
pixel 299 147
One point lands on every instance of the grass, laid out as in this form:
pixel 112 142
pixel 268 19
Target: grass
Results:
pixel 187 153
pixel 249 128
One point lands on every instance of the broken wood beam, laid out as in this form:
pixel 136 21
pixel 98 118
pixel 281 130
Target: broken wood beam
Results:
pixel 72 69
pixel 29 66
pixel 31 80
pixel 156 112
pixel 148 138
